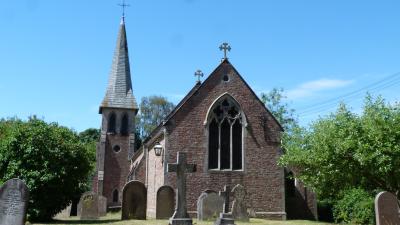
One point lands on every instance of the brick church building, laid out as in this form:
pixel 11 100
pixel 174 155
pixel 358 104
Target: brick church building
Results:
pixel 222 126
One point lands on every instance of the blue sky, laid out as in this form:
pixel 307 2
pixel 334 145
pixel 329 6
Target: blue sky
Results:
pixel 55 56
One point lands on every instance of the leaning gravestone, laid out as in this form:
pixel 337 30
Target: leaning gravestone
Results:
pixel 386 209
pixel 209 206
pixel 14 197
pixel 134 200
pixel 89 206
pixel 239 209
pixel 165 202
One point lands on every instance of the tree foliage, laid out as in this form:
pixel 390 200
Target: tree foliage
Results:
pixel 51 160
pixel 356 206
pixel 90 135
pixel 274 101
pixel 153 110
pixel 345 150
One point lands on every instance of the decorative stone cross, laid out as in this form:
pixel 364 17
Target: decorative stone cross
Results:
pixel 225 218
pixel 225 194
pixel 198 74
pixel 181 167
pixel 225 47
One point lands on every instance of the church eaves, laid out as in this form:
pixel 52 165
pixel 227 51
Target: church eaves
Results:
pixel 119 91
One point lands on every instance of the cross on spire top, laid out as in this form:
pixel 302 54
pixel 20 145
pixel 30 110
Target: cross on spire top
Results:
pixel 123 6
pixel 225 47
pixel 198 74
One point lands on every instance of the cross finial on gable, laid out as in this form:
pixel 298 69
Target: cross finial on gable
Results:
pixel 123 6
pixel 198 74
pixel 225 47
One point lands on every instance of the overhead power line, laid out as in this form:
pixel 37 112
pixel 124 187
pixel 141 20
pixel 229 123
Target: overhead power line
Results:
pixel 386 82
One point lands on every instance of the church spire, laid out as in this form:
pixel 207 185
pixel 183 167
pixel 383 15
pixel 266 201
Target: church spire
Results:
pixel 119 91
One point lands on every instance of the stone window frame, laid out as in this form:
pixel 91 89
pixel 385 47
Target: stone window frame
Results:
pixel 207 121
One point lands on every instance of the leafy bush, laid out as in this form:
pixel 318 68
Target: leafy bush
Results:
pixel 51 160
pixel 356 206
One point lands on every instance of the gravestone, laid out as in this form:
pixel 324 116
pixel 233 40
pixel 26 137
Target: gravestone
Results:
pixel 386 209
pixel 102 203
pixel 14 197
pixel 134 201
pixel 89 206
pixel 165 202
pixel 65 213
pixel 181 216
pixel 225 218
pixel 209 206
pixel 239 209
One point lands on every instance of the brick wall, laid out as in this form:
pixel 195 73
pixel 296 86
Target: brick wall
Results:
pixel 262 177
pixel 116 167
pixel 155 180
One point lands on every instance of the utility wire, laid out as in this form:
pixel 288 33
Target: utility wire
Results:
pixel 386 82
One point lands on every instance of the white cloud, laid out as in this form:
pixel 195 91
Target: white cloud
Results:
pixel 312 87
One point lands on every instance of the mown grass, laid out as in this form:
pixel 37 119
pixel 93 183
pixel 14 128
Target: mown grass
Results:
pixel 114 219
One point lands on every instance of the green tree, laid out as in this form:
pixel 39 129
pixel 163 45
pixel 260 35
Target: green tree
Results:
pixel 153 110
pixel 51 160
pixel 274 101
pixel 345 150
pixel 90 135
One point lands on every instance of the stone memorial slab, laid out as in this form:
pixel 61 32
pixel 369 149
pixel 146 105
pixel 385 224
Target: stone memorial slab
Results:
pixel 225 218
pixel 209 206
pixel 181 217
pixel 102 201
pixel 239 209
pixel 14 197
pixel 386 209
pixel 134 201
pixel 165 202
pixel 89 206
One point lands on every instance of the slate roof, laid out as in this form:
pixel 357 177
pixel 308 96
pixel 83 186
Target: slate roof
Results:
pixel 119 91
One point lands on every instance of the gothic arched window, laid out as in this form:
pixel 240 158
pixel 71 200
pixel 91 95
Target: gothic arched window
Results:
pixel 115 195
pixel 111 123
pixel 124 125
pixel 225 128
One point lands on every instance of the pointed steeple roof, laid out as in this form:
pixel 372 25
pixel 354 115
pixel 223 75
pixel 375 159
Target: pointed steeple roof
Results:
pixel 119 91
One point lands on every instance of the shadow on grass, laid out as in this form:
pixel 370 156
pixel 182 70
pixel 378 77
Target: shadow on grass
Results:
pixel 106 221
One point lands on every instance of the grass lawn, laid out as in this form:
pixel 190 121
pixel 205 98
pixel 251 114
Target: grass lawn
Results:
pixel 114 219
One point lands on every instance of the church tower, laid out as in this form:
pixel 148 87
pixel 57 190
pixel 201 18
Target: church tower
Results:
pixel 118 110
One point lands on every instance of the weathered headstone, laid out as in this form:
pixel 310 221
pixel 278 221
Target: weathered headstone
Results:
pixel 209 206
pixel 225 218
pixel 102 203
pixel 181 216
pixel 165 202
pixel 239 209
pixel 386 209
pixel 89 206
pixel 134 201
pixel 14 197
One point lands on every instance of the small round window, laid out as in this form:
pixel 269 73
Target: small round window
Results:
pixel 116 148
pixel 225 78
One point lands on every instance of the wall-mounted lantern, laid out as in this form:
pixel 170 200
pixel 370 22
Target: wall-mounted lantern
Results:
pixel 158 149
